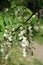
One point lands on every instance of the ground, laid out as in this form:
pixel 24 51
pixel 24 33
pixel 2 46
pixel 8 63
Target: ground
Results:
pixel 16 57
pixel 38 51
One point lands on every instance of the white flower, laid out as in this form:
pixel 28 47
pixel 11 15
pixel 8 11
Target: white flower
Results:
pixel 20 38
pixel 6 31
pixel 36 28
pixel 29 28
pixel 6 56
pixel 13 29
pixel 31 34
pixel 23 49
pixel 6 26
pixel 21 32
pixel 33 16
pixel 9 46
pixel 6 9
pixel 24 31
pixel 24 54
pixel 5 35
pixel 24 43
pixel 10 38
pixel 2 50
pixel 19 35
pixel 24 38
pixel 21 28
pixel 7 43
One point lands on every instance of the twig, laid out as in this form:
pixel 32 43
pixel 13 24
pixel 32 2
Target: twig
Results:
pixel 25 21
pixel 29 18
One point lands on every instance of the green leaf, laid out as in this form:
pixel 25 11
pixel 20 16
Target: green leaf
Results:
pixel 1 36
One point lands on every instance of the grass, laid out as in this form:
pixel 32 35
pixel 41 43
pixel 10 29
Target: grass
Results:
pixel 39 39
pixel 16 58
pixel 36 62
pixel 39 36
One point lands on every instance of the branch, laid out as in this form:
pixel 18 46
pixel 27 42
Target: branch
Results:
pixel 18 27
pixel 25 21
pixel 29 18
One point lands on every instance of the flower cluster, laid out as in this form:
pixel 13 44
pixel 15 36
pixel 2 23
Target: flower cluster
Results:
pixel 8 41
pixel 24 40
pixel 7 44
pixel 36 28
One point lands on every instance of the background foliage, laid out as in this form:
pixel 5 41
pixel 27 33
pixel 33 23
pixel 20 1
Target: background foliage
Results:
pixel 14 13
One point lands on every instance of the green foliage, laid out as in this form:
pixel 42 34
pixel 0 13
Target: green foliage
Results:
pixel 12 18
pixel 16 58
pixel 37 62
pixel 41 4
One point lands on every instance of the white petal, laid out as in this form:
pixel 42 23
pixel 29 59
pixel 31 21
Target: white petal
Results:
pixel 7 9
pixel 24 31
pixel 13 29
pixel 6 31
pixel 23 49
pixel 24 54
pixel 2 50
pixel 24 38
pixel 29 27
pixel 6 56
pixel 33 16
pixel 20 38
pixel 5 35
pixel 10 38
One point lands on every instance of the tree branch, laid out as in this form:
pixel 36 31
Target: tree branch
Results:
pixel 25 21
pixel 29 18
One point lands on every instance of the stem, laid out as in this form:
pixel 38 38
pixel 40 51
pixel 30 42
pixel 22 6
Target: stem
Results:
pixel 25 21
